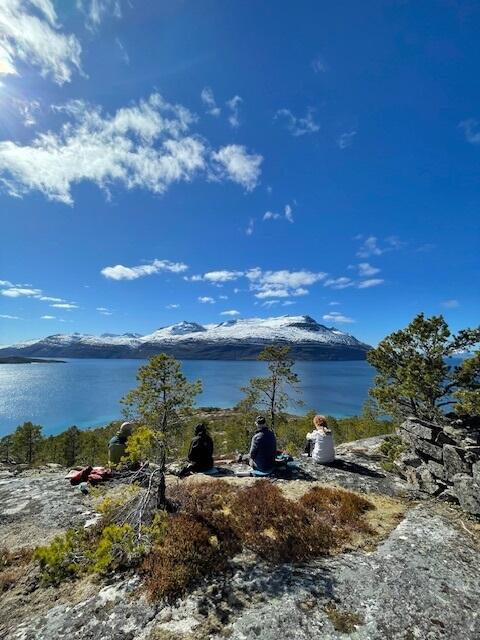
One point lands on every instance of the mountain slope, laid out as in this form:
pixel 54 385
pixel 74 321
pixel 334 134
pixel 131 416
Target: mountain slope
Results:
pixel 232 340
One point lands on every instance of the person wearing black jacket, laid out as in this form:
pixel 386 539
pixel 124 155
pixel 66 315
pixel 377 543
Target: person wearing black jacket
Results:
pixel 200 454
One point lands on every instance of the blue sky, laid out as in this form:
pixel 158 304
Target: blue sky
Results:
pixel 208 160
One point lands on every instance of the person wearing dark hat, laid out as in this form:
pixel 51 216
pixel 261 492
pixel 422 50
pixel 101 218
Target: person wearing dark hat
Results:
pixel 200 454
pixel 263 448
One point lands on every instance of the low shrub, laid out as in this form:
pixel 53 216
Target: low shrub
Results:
pixel 391 447
pixel 116 549
pixel 342 510
pixel 188 553
pixel 278 529
pixel 65 557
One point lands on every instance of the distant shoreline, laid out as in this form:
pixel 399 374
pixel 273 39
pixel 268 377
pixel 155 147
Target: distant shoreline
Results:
pixel 22 360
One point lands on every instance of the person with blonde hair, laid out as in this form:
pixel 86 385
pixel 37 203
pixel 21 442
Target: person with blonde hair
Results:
pixel 321 439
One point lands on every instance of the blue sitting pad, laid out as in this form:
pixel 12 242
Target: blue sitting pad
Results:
pixel 261 474
pixel 211 472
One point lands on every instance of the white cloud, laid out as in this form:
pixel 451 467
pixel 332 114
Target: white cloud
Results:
pixel 146 145
pixel 27 110
pixel 50 299
pixel 30 34
pixel 104 311
pixel 234 106
pixel 366 269
pixel 367 284
pixel 17 292
pixel 65 305
pixel 206 300
pixel 7 317
pixel 288 303
pixel 346 139
pixel 250 228
pixel 123 51
pixel 282 283
pixel 287 215
pixel 339 283
pixel 234 163
pixel 270 303
pixel 208 100
pixel 5 283
pixel 471 130
pixel 223 297
pixel 120 272
pixel 370 248
pixel 450 304
pixel 48 318
pixel 172 306
pixel 222 276
pixel 333 304
pixel 231 312
pixel 319 65
pixel 96 10
pixel 338 318
pixel 298 126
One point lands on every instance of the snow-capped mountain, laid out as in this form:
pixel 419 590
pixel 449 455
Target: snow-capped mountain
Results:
pixel 231 340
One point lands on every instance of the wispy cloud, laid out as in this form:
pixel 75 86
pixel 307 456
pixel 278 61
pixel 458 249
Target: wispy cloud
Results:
pixel 450 304
pixel 296 125
pixel 234 163
pixel 5 316
pixel 319 65
pixel 234 106
pixel 104 311
pixel 230 312
pixel 222 276
pixel 172 306
pixel 69 306
pixel 209 102
pixel 337 318
pixel 48 317
pixel 250 227
pixel 471 130
pixel 120 272
pixel 339 283
pixel 17 292
pixel 123 51
pixel 145 145
pixel 206 300
pixel 368 284
pixel 287 214
pixel 97 10
pixel 30 34
pixel 366 269
pixel 371 247
pixel 345 140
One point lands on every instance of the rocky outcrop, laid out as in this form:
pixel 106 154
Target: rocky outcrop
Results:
pixel 443 460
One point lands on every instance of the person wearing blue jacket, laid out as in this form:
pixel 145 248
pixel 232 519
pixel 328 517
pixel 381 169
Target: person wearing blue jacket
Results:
pixel 263 448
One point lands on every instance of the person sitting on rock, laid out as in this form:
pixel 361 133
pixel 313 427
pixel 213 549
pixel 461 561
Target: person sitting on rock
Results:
pixel 118 444
pixel 200 454
pixel 263 448
pixel 321 439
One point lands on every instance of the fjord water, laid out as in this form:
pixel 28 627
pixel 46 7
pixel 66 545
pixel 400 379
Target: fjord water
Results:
pixel 87 392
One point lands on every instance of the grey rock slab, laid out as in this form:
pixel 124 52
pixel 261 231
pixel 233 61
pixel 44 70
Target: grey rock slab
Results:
pixel 453 462
pixel 467 491
pixel 418 444
pixel 420 583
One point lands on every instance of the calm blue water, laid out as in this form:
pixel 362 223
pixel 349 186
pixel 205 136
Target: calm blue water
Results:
pixel 87 392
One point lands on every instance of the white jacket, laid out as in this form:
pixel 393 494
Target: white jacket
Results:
pixel 323 449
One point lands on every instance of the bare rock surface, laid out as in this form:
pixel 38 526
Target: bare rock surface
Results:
pixel 421 581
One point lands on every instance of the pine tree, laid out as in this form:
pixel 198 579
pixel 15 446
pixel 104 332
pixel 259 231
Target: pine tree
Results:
pixel 161 399
pixel 415 376
pixel 273 392
pixel 27 441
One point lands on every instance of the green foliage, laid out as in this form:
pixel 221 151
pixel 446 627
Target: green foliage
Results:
pixel 6 448
pixel 26 442
pixel 162 398
pixel 391 447
pixel 269 394
pixel 142 445
pixel 413 376
pixel 467 394
pixel 63 558
pixel 117 548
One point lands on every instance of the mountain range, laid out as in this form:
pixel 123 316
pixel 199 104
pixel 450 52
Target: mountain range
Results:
pixel 231 340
